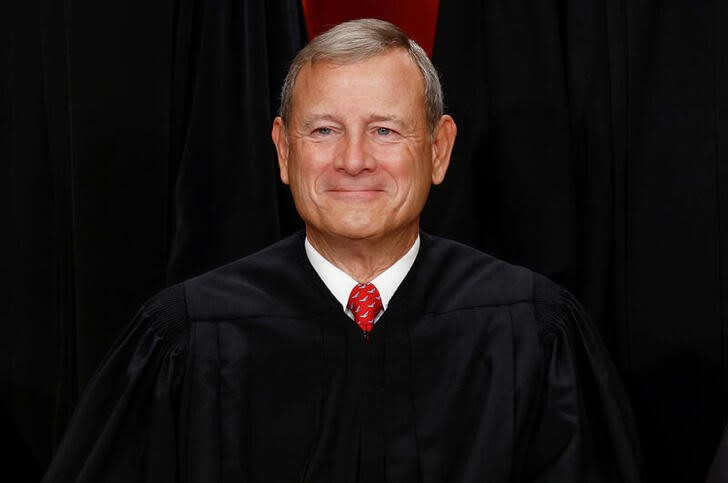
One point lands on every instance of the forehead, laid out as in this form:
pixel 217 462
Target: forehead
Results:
pixel 391 78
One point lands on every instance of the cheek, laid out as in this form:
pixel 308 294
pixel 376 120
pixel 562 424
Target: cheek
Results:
pixel 408 169
pixel 307 166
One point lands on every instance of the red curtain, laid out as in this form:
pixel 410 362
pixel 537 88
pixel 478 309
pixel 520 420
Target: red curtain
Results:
pixel 417 18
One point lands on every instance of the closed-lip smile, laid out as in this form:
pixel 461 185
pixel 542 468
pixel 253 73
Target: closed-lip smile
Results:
pixel 355 193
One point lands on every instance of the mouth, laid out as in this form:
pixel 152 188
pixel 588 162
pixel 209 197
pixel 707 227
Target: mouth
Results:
pixel 355 194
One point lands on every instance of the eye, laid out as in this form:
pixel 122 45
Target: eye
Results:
pixel 383 131
pixel 323 130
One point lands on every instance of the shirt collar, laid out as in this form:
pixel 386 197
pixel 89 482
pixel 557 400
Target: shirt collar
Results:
pixel 340 283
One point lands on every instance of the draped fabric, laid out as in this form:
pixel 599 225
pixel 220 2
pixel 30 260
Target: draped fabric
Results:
pixel 477 371
pixel 591 147
pixel 719 469
pixel 134 153
pixel 322 14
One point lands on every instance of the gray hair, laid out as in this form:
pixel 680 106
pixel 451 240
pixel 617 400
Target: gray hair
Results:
pixel 359 40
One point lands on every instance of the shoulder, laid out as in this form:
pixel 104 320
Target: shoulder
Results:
pixel 165 313
pixel 273 281
pixel 463 277
pixel 457 277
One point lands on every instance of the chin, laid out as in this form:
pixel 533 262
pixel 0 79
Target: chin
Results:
pixel 354 231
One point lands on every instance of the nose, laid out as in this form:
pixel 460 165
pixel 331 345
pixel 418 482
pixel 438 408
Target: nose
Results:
pixel 354 156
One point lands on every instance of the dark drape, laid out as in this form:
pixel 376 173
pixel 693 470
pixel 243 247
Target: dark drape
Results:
pixel 719 469
pixel 592 147
pixel 135 153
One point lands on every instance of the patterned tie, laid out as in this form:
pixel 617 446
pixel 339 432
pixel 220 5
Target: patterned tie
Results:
pixel 365 303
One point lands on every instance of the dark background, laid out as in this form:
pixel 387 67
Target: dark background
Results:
pixel 135 152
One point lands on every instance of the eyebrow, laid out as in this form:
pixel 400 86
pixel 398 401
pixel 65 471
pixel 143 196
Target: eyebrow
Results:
pixel 386 117
pixel 314 118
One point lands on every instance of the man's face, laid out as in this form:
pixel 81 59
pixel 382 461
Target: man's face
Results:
pixel 358 156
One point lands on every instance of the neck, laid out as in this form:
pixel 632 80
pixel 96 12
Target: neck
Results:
pixel 363 259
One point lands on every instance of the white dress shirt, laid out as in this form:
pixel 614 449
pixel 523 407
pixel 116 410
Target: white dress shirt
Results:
pixel 340 283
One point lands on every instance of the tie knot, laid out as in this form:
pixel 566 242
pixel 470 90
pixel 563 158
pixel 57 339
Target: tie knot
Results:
pixel 365 303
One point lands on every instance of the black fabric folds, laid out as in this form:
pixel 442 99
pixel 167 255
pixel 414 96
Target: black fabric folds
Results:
pixel 478 371
pixel 592 148
pixel 719 469
pixel 132 402
pixel 134 153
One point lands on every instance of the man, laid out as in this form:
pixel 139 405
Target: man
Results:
pixel 362 350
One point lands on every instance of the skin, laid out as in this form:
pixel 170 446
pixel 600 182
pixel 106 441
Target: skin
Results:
pixel 359 159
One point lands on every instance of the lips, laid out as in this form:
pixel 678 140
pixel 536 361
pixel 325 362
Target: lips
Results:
pixel 353 187
pixel 358 194
pixel 354 190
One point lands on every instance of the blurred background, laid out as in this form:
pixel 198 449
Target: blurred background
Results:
pixel 135 152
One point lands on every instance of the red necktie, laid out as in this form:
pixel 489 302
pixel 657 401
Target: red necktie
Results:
pixel 365 303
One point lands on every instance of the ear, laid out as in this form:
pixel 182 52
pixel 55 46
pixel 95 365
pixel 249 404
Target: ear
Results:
pixel 280 140
pixel 443 140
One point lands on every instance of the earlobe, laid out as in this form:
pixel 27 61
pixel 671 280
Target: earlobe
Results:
pixel 281 143
pixel 442 144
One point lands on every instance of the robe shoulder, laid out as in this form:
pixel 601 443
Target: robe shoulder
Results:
pixel 165 313
pixel 275 281
pixel 462 277
pixel 124 422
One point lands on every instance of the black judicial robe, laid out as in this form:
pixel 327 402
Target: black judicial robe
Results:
pixel 478 371
pixel 718 472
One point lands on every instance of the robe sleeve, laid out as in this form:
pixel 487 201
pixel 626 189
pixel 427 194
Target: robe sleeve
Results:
pixel 584 431
pixel 124 427
pixel 719 469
